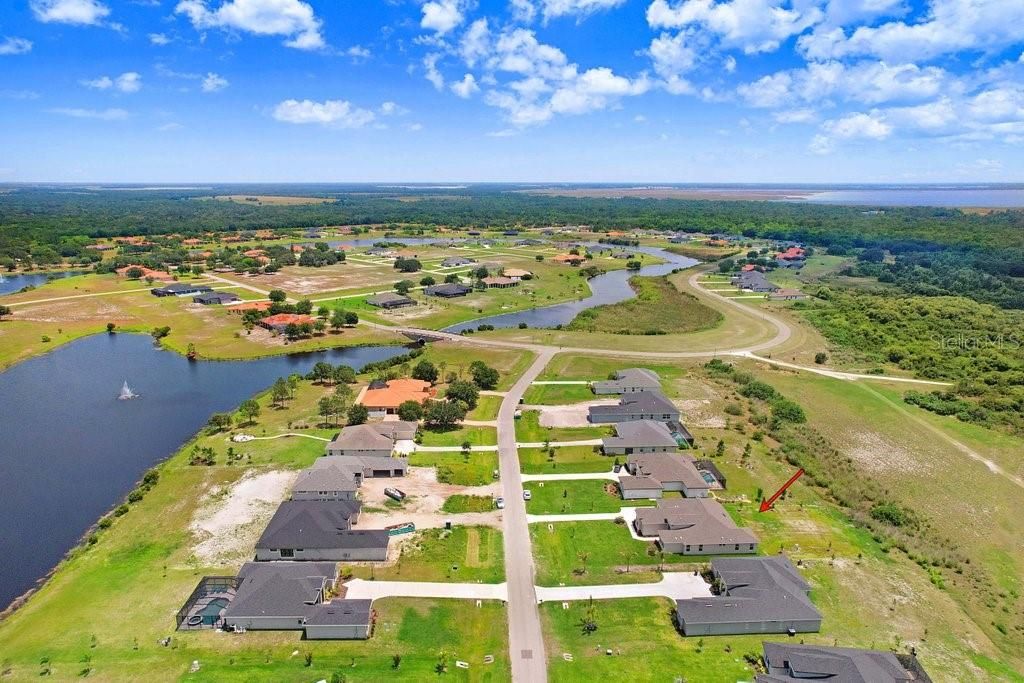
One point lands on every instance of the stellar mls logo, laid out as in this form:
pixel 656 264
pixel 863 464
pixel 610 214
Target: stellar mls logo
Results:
pixel 966 342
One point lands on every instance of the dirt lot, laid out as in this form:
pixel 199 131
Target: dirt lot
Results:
pixel 302 281
pixel 574 415
pixel 422 506
pixel 231 519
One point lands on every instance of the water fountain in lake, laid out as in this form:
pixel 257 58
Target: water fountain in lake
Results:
pixel 126 392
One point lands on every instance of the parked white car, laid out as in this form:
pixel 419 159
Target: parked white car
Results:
pixel 527 495
pixel 500 503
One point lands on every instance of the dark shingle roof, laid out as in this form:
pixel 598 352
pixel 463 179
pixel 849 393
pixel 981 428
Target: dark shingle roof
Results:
pixel 788 663
pixel 341 613
pixel 280 589
pixel 640 434
pixel 645 402
pixel 309 524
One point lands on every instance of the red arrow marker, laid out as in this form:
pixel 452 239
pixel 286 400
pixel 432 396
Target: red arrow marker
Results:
pixel 767 504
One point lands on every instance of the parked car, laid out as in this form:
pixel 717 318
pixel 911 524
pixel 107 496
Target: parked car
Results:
pixel 500 503
pixel 527 495
pixel 394 494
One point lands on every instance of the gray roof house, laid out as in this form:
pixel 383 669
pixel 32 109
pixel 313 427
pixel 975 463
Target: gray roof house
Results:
pixel 755 281
pixel 628 381
pixel 672 472
pixel 334 477
pixel 376 439
pixel 640 436
pixel 694 526
pixel 760 595
pixel 641 405
pixel 389 300
pixel 448 290
pixel 319 531
pixel 179 289
pixel 290 596
pixel 792 663
pixel 214 298
pixel 453 261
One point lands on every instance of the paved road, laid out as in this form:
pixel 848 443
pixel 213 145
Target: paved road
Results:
pixel 674 585
pixel 526 641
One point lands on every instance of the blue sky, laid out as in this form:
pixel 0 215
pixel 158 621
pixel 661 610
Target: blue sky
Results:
pixel 512 90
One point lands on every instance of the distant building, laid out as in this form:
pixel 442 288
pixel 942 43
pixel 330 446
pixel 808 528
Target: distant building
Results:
pixel 628 381
pixel 754 281
pixel 215 298
pixel 280 321
pixel 759 595
pixel 570 259
pixel 179 289
pixel 493 282
pixel 448 290
pixel 517 273
pixel 249 306
pixel 390 300
pixel 787 295
pixel 454 261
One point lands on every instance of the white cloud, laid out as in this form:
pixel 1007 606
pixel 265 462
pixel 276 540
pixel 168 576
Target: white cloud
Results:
pixel 294 19
pixel 552 9
pixel 858 126
pixel 214 82
pixel 752 25
pixel 522 10
pixel 330 113
pixel 159 39
pixel 15 46
pixel 466 87
pixel 127 82
pixel 392 109
pixel 441 16
pixel 100 114
pixel 81 12
pixel 795 116
pixel 414 127
pixel 729 64
pixel 640 118
pixel 357 52
pixel 476 43
pixel 431 72
pixel 673 56
pixel 948 26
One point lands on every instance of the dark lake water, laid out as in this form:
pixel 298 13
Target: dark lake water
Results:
pixel 609 288
pixel 13 283
pixel 69 450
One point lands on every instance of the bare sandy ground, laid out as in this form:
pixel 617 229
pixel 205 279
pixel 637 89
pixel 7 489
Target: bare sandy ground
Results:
pixel 425 496
pixel 878 454
pixel 574 415
pixel 230 519
pixel 698 413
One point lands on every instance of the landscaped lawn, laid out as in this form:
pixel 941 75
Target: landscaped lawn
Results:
pixel 529 430
pixel 644 642
pixel 577 496
pixel 463 554
pixel 465 469
pixel 607 546
pixel 557 394
pixel 476 436
pixel 566 460
pixel 460 503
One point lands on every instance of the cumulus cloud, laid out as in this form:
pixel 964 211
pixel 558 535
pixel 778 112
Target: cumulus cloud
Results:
pixel 476 43
pixel 159 39
pixel 329 113
pixel 466 87
pixel 358 52
pixel 80 12
pixel 673 56
pixel 293 19
pixel 751 25
pixel 15 46
pixel 795 116
pixel 523 10
pixel 441 16
pixel 858 126
pixel 128 82
pixel 392 109
pixel 431 72
pixel 213 82
pixel 112 114
pixel 552 9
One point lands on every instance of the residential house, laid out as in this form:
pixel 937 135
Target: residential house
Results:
pixel 389 300
pixel 640 405
pixel 758 595
pixel 639 436
pixel 336 477
pixel 669 472
pixel 754 281
pixel 570 259
pixel 383 398
pixel 628 381
pixel 795 663
pixel 179 289
pixel 315 530
pixel 376 439
pixel 787 295
pixel 493 282
pixel 517 274
pixel 454 261
pixel 448 290
pixel 381 252
pixel 280 322
pixel 694 526
pixel 792 263
pixel 249 306
pixel 216 298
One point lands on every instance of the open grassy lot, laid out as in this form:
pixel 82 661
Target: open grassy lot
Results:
pixel 604 548
pixel 576 497
pixel 644 642
pixel 449 358
pixel 564 460
pixel 463 554
pixel 459 503
pixel 486 408
pixel 466 469
pixel 529 430
pixel 659 308
pixel 476 436
pixel 557 394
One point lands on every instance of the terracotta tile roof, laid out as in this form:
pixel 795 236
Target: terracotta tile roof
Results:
pixel 249 306
pixel 397 392
pixel 286 319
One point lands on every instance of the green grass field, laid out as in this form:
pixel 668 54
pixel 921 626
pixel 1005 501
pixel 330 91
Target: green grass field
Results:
pixel 557 394
pixel 486 408
pixel 476 436
pixel 459 503
pixel 467 554
pixel 529 430
pixel 472 469
pixel 658 308
pixel 566 460
pixel 576 497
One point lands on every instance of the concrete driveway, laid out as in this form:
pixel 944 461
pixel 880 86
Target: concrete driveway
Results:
pixel 360 589
pixel 673 585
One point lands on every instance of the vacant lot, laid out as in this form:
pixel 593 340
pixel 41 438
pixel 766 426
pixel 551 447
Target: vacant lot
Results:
pixel 576 497
pixel 529 430
pixel 462 554
pixel 659 308
pixel 564 460
pixel 467 469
